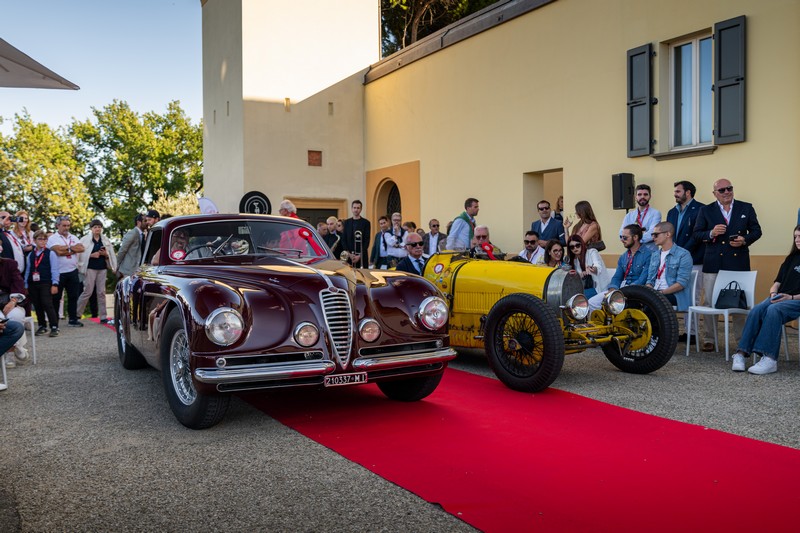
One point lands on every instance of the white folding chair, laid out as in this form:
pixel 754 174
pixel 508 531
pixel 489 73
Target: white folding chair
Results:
pixel 29 322
pixel 5 378
pixel 687 325
pixel 747 281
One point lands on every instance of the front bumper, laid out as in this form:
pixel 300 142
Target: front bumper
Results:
pixel 300 372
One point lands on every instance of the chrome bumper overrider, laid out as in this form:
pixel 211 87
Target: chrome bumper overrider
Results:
pixel 401 360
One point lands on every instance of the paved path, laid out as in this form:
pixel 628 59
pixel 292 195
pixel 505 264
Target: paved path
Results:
pixel 88 446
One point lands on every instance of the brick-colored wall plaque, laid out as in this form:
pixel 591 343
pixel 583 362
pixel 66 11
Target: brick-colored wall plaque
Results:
pixel 314 158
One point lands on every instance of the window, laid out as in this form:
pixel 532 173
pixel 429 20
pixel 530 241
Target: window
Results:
pixel 691 92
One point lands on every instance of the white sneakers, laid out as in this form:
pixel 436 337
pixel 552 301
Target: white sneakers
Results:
pixel 766 365
pixel 738 362
pixel 21 353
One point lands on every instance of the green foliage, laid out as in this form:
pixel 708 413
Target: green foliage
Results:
pixel 41 176
pixel 132 161
pixel 406 21
pixel 182 204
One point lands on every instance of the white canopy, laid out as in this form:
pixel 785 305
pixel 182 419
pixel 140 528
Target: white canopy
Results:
pixel 19 70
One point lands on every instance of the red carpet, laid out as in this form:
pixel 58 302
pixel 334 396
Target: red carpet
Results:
pixel 555 461
pixel 97 321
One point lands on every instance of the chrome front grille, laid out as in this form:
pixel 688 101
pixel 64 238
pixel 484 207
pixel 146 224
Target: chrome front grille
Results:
pixel 339 320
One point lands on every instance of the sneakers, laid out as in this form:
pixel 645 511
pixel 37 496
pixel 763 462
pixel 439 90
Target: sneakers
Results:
pixel 766 365
pixel 54 332
pixel 738 362
pixel 21 354
pixel 41 331
pixel 3 387
pixel 75 324
pixel 10 362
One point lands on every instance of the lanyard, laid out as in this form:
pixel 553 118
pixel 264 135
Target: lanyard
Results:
pixel 641 215
pixel 630 264
pixel 661 269
pixel 38 261
pixel 13 238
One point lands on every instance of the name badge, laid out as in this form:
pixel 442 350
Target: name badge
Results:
pixel 35 276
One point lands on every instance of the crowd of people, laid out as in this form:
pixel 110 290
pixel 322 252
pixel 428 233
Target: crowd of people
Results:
pixel 37 268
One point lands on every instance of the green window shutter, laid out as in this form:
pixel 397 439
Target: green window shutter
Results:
pixel 729 81
pixel 640 102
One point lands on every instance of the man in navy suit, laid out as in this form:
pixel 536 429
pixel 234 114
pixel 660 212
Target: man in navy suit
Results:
pixel 684 216
pixel 413 263
pixel 547 227
pixel 728 229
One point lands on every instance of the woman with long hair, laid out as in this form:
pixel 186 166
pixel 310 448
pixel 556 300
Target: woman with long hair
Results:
pixel 22 231
pixel 587 227
pixel 589 266
pixel 553 255
pixel 762 330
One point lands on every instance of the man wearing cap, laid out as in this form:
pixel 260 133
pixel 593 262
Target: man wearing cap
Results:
pixel 151 218
pixel 67 247
pixel 93 262
pixel 130 250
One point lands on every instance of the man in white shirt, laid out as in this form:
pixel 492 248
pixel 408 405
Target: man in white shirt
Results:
pixel 645 215
pixel 433 241
pixel 67 246
pixel 395 241
pixel 532 251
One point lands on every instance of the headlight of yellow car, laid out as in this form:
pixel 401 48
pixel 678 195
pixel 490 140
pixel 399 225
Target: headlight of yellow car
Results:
pixel 577 307
pixel 614 302
pixel 433 313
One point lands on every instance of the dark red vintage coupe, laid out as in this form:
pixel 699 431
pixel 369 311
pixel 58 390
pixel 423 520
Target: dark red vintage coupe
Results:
pixel 227 303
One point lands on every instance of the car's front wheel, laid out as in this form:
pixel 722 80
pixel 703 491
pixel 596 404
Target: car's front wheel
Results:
pixel 524 343
pixel 411 389
pixel 192 409
pixel 657 332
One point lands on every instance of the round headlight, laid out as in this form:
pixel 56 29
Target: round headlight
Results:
pixel 224 326
pixel 578 307
pixel 433 313
pixel 369 329
pixel 306 334
pixel 614 302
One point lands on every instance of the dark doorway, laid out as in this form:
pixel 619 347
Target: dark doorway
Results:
pixel 393 204
pixel 314 216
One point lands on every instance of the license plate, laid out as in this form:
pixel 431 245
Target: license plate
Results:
pixel 345 379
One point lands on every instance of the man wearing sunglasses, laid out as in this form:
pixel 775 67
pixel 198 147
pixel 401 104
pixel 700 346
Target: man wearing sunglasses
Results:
pixel 413 263
pixel 532 252
pixel 727 228
pixel 433 241
pixel 547 227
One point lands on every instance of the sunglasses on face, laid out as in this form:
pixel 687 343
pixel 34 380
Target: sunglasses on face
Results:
pixel 530 242
pixel 656 233
pixel 414 244
pixel 574 246
pixel 544 209
pixel 481 237
pixel 725 189
pixel 434 225
pixel 624 238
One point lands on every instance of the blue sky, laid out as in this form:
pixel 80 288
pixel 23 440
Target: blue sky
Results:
pixel 145 52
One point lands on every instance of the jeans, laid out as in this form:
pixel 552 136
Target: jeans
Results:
pixel 762 331
pixel 10 335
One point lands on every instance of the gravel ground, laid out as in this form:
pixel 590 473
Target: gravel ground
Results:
pixel 89 446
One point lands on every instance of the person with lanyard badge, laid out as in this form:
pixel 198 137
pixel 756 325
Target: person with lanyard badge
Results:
pixel 22 232
pixel 67 247
pixel 632 266
pixel 413 263
pixel 12 248
pixel 645 215
pixel 670 269
pixel 42 279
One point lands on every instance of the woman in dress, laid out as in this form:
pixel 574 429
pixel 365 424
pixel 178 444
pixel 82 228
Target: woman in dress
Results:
pixel 587 227
pixel 762 330
pixel 589 266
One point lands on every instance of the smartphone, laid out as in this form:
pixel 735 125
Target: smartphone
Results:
pixel 730 237
pixel 3 320
pixel 775 297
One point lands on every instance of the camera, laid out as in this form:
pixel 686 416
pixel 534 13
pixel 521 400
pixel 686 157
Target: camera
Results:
pixel 15 219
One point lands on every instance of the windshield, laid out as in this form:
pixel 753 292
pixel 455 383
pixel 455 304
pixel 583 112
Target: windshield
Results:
pixel 245 237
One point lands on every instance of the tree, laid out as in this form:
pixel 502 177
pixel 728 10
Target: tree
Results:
pixel 406 21
pixel 40 175
pixel 130 161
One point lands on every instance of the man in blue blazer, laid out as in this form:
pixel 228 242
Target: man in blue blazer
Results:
pixel 413 263
pixel 683 217
pixel 547 227
pixel 727 228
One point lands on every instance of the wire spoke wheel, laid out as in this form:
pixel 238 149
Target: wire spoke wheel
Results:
pixel 179 368
pixel 524 342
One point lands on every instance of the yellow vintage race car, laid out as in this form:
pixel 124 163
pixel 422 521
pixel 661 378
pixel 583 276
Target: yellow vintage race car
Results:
pixel 527 317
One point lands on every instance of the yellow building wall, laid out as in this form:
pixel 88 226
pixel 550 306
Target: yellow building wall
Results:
pixel 545 95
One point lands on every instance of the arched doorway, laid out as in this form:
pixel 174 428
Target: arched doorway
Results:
pixel 394 189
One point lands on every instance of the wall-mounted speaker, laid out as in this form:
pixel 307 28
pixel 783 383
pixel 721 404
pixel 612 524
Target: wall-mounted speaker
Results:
pixel 622 191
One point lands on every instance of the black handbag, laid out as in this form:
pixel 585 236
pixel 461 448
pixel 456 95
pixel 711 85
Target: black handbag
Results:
pixel 731 297
pixel 599 246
